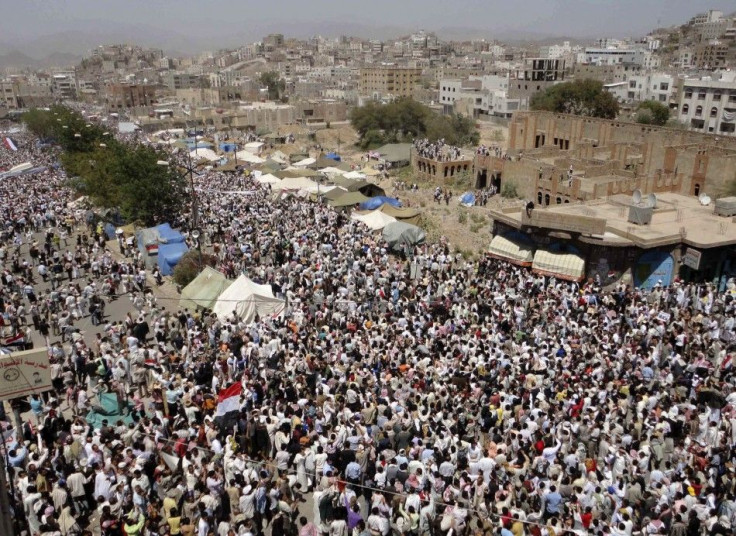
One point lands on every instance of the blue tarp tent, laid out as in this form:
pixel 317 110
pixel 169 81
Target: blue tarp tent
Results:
pixel 374 202
pixel 171 248
pixel 333 156
pixel 168 235
pixel 169 256
pixel 228 147
pixel 109 231
pixel 467 199
pixel 161 246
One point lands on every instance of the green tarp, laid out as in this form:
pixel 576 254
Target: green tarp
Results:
pixel 348 199
pixel 105 407
pixel 203 291
pixel 405 214
pixel 400 235
pixel 395 153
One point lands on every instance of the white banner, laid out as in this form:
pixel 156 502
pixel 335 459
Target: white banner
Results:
pixel 24 373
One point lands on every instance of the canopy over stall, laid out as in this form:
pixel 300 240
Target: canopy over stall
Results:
pixel 513 251
pixel 563 265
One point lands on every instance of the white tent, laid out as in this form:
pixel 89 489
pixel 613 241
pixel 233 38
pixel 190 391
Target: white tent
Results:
pixel 268 179
pixel 332 171
pixel 249 157
pixel 278 156
pixel 319 189
pixel 304 163
pixel 248 299
pixel 374 220
pixel 354 175
pixel 254 147
pixel 295 183
pixel 207 154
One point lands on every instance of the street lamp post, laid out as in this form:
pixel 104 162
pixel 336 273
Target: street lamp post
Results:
pixel 190 169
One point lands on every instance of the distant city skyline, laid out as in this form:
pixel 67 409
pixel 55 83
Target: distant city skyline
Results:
pixel 188 26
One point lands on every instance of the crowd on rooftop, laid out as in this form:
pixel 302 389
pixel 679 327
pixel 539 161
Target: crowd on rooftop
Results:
pixel 437 150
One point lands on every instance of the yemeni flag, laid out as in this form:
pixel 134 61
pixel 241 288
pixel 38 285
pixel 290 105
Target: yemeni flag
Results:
pixel 228 402
pixel 10 144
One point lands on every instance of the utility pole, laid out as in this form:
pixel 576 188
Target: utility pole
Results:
pixel 6 513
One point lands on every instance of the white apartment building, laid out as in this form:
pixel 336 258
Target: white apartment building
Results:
pixel 658 87
pixel 685 58
pixel 708 105
pixel 612 56
pixel 554 52
pixel 712 15
pixel 478 95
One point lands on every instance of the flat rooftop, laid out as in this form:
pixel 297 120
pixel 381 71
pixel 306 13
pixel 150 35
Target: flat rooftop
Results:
pixel 677 219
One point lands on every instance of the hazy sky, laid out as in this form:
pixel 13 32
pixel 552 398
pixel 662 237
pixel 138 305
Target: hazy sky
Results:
pixel 225 22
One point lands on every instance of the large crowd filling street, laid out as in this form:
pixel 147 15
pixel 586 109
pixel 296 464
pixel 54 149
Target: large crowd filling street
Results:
pixel 430 396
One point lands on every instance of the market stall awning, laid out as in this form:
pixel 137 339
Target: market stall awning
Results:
pixel 508 250
pixel 568 266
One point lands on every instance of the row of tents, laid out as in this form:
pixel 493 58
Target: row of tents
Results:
pixel 213 291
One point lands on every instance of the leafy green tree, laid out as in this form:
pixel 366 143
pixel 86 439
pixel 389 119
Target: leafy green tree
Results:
pixel 652 113
pixel 111 173
pixel 406 119
pixel 274 83
pixel 190 264
pixel 149 193
pixel 580 97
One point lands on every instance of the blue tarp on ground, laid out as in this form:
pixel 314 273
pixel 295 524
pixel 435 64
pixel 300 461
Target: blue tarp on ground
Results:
pixel 467 199
pixel 108 406
pixel 374 202
pixel 333 156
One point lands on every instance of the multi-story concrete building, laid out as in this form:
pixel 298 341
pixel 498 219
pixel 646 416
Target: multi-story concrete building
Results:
pixel 479 96
pixel 119 96
pixel 608 74
pixel 9 94
pixel 711 55
pixel 555 51
pixel 708 105
pixel 388 81
pixel 613 56
pixel 174 80
pixel 711 15
pixel 273 42
pixel 64 85
pixel 536 75
pixel 658 87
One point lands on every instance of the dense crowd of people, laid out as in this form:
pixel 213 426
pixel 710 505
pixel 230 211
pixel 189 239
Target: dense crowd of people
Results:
pixel 456 397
